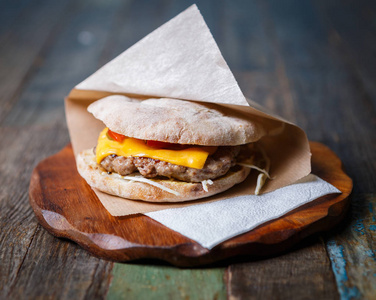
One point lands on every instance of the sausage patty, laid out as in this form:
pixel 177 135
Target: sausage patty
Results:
pixel 215 166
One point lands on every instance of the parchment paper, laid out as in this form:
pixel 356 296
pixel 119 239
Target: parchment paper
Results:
pixel 181 60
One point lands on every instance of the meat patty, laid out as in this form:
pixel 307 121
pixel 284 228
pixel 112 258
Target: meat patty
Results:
pixel 119 164
pixel 216 165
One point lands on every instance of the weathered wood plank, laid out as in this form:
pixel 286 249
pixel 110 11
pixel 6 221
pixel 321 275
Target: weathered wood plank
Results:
pixel 39 111
pixel 334 99
pixel 324 85
pixel 301 274
pixel 17 223
pixel 303 60
pixel 71 58
pixel 165 282
pixel 259 49
pixel 136 19
pixel 353 250
pixel 63 272
pixel 22 44
pixel 269 83
pixel 9 13
pixel 33 263
pixel 351 92
pixel 354 32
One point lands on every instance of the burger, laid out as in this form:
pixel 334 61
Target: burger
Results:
pixel 170 150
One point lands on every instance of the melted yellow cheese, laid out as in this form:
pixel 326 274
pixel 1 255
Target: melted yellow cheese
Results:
pixel 193 157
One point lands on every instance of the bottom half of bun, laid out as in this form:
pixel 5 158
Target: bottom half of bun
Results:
pixel 97 177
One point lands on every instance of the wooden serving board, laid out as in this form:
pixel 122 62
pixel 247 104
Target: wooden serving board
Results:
pixel 67 207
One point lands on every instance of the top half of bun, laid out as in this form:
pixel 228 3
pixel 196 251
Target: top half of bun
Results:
pixel 175 121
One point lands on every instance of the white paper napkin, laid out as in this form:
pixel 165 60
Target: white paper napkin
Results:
pixel 212 223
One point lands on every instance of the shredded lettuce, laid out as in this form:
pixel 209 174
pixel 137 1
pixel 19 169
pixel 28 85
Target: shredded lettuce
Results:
pixel 144 180
pixel 264 172
pixel 205 184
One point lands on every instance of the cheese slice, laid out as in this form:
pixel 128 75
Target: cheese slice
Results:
pixel 192 157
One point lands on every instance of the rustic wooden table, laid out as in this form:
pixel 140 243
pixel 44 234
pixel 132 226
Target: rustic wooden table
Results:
pixel 312 62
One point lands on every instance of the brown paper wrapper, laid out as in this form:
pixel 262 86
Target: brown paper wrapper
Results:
pixel 181 60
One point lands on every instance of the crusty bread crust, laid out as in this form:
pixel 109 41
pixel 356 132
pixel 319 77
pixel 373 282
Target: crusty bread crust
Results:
pixel 96 177
pixel 175 121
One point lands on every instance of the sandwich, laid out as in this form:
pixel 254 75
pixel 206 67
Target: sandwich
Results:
pixel 170 150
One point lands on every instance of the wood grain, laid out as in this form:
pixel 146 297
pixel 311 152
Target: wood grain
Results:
pixel 302 273
pixel 25 45
pixel 67 207
pixel 309 61
pixel 151 281
pixel 34 55
pixel 328 66
pixel 352 250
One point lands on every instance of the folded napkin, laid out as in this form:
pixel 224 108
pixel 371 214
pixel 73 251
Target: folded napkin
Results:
pixel 212 223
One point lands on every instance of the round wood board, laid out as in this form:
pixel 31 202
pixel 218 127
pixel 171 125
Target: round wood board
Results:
pixel 67 207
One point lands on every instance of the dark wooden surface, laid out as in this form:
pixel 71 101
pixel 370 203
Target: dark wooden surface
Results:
pixel 312 62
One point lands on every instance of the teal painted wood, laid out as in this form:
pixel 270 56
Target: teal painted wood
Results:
pixel 353 253
pixel 137 281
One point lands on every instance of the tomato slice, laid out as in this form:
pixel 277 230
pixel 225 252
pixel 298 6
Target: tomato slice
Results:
pixel 115 136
